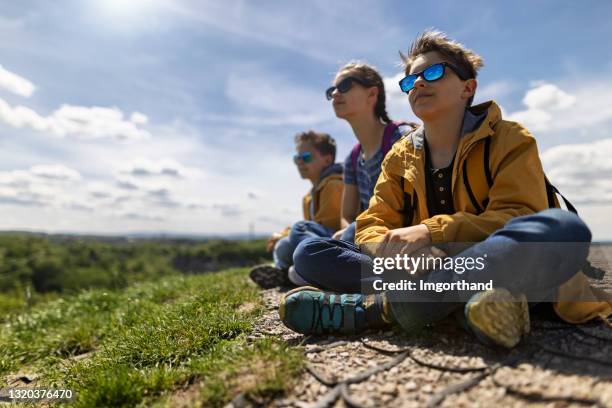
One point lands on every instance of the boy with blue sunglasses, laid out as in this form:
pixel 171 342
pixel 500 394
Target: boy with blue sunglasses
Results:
pixel 466 176
pixel 314 159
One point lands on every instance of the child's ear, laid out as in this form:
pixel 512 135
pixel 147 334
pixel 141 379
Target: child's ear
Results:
pixel 469 88
pixel 373 93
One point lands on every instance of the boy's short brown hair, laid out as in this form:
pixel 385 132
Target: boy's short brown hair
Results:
pixel 453 52
pixel 322 142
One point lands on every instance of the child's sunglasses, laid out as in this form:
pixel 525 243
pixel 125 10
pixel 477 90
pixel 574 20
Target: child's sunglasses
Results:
pixel 343 86
pixel 305 157
pixel 430 74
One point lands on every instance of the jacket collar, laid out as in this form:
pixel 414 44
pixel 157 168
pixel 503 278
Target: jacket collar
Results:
pixel 332 169
pixel 492 116
pixel 478 122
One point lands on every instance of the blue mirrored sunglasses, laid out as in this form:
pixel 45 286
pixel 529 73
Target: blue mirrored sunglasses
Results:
pixel 306 157
pixel 430 74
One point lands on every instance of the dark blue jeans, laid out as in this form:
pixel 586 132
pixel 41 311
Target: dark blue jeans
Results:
pixel 301 230
pixel 349 233
pixel 536 269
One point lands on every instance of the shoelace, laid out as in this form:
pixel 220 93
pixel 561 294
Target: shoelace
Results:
pixel 326 304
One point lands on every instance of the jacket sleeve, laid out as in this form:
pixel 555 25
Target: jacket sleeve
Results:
pixel 385 210
pixel 306 206
pixel 518 189
pixel 330 204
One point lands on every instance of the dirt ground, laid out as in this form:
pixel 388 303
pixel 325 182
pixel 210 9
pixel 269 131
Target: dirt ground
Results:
pixel 557 365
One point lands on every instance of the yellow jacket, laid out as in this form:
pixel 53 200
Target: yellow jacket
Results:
pixel 326 197
pixel 516 187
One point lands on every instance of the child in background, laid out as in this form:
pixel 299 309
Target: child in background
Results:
pixel 315 157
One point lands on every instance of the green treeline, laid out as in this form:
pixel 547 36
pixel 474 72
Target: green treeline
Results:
pixel 31 264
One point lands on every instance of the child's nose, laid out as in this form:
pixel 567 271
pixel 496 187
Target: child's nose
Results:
pixel 419 82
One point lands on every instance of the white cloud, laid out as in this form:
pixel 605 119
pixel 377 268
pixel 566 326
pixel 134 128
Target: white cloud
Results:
pixel 43 173
pixel 551 109
pixel 135 215
pixel 548 97
pixel 55 172
pixel 60 187
pixel 583 172
pixel 139 118
pixel 77 121
pixel 228 209
pixel 253 194
pixel 142 167
pixel 534 119
pixel 40 185
pixel 15 83
pixel 126 183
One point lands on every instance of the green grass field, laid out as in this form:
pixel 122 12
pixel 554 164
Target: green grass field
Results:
pixel 150 343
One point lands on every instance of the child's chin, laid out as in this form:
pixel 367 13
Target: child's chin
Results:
pixel 340 112
pixel 425 113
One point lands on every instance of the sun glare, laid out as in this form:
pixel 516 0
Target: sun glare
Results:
pixel 126 8
pixel 125 15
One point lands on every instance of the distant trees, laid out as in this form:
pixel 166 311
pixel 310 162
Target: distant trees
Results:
pixel 67 265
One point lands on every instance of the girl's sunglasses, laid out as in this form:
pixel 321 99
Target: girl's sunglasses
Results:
pixel 343 86
pixel 430 74
pixel 305 157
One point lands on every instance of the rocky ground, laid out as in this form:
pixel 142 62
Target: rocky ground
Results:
pixel 558 365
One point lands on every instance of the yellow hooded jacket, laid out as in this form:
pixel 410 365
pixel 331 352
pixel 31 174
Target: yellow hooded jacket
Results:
pixel 327 201
pixel 517 187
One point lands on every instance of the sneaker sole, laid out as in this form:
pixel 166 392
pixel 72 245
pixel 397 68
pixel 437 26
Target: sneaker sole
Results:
pixel 267 277
pixel 500 316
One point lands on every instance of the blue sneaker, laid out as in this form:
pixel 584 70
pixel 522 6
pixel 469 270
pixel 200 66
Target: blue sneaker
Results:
pixel 497 317
pixel 308 310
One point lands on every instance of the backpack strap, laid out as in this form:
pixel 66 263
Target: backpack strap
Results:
pixel 588 269
pixel 355 156
pixel 551 190
pixel 487 169
pixel 410 204
pixel 468 188
pixel 390 129
pixel 386 144
pixel 485 161
pixel 550 193
pixel 481 171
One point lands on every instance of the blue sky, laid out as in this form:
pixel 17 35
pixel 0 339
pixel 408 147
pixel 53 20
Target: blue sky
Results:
pixel 178 116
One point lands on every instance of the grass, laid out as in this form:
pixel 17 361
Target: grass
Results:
pixel 150 342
